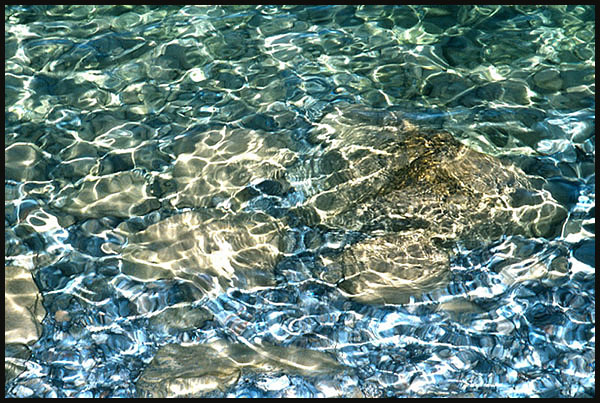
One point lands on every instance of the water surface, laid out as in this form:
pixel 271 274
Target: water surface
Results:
pixel 193 195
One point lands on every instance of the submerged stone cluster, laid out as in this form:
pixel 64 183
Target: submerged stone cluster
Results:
pixel 411 195
pixel 416 195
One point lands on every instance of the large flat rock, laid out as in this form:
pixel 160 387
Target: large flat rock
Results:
pixel 192 371
pixel 210 248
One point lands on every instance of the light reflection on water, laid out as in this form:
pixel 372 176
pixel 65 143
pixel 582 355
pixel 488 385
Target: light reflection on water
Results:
pixel 144 142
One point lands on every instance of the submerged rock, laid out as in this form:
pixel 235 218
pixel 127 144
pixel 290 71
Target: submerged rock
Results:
pixel 192 371
pixel 416 194
pixel 210 248
pixel 390 268
pixel 26 162
pixel 23 310
pixel 121 194
pixel 23 315
pixel 215 167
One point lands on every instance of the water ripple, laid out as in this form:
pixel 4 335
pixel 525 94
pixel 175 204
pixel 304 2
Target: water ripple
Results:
pixel 293 201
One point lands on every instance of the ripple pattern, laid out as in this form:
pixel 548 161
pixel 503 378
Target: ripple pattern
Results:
pixel 300 201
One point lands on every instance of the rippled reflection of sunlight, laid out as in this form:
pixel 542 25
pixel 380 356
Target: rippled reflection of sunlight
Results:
pixel 299 201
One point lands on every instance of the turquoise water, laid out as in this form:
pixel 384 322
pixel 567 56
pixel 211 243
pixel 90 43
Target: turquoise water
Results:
pixel 186 188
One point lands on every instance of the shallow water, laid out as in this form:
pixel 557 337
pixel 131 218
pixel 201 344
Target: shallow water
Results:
pixel 221 201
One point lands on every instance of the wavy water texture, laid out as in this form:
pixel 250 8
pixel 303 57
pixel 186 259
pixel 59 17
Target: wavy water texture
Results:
pixel 299 201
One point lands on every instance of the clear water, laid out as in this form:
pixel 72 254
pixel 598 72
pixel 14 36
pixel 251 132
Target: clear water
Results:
pixel 138 138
